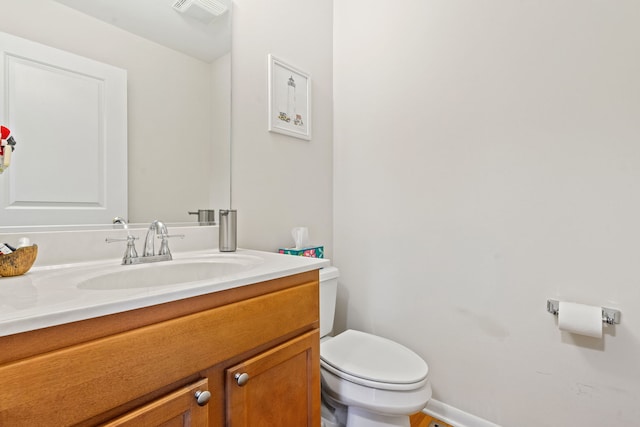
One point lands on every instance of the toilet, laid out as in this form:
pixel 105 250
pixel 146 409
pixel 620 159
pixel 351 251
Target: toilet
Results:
pixel 367 380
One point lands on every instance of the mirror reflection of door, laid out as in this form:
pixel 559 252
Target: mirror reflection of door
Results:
pixel 70 114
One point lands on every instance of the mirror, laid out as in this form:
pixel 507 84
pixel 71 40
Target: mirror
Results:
pixel 178 83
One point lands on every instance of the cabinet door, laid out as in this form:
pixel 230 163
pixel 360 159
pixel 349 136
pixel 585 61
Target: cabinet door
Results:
pixel 280 387
pixel 180 408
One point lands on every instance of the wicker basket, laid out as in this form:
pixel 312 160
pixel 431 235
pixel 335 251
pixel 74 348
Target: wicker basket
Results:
pixel 18 262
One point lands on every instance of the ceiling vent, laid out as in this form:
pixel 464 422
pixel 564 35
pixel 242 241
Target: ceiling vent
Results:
pixel 202 10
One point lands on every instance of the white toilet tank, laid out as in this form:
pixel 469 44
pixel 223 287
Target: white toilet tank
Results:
pixel 328 293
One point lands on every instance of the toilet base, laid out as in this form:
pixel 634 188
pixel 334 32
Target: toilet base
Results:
pixel 357 417
pixel 335 414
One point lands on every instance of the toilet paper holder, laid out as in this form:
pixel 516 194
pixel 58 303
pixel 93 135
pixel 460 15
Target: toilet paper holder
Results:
pixel 610 316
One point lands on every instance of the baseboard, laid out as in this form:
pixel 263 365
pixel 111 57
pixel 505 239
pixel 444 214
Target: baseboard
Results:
pixel 454 416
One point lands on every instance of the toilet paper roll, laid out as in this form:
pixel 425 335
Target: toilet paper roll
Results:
pixel 580 319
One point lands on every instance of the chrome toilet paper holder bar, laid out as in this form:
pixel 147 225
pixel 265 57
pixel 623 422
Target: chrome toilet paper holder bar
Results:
pixel 610 316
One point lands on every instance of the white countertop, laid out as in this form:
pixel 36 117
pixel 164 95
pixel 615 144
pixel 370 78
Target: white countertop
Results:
pixel 49 295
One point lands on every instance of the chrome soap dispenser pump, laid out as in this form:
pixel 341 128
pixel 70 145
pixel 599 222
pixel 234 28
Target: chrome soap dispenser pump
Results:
pixel 228 230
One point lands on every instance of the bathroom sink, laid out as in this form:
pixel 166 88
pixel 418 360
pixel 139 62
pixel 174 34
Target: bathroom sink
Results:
pixel 168 273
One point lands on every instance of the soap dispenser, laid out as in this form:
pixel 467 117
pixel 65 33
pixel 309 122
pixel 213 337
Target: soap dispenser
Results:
pixel 228 230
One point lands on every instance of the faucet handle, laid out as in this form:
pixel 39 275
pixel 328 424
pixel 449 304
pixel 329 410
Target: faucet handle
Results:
pixel 168 236
pixel 129 238
pixel 130 252
pixel 164 245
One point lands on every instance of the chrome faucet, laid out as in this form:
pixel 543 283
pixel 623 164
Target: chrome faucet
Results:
pixel 157 229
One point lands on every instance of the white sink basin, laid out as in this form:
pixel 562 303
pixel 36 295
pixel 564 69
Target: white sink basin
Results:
pixel 167 273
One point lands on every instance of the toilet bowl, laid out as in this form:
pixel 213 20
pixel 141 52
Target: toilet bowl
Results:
pixel 367 380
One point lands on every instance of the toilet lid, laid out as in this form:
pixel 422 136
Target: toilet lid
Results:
pixel 357 355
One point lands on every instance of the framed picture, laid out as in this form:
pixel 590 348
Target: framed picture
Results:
pixel 289 100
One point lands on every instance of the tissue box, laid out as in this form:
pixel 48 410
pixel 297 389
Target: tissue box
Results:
pixel 311 252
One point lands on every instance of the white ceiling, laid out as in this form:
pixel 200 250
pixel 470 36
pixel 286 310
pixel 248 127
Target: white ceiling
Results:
pixel 157 20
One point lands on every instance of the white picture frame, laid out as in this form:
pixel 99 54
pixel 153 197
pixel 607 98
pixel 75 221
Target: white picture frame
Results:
pixel 289 100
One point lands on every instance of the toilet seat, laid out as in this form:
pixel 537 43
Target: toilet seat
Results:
pixel 373 361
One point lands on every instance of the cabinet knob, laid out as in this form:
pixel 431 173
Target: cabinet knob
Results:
pixel 202 397
pixel 242 378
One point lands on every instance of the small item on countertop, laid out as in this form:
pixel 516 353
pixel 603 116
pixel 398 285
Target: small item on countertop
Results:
pixel 5 249
pixel 7 157
pixel 7 146
pixel 228 230
pixel 18 262
pixel 302 246
pixel 4 132
pixel 12 143
pixel 309 252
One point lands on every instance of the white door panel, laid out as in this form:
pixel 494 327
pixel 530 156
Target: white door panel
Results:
pixel 68 115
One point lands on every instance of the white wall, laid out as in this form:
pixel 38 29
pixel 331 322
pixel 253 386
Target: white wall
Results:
pixel 279 182
pixel 487 157
pixel 170 111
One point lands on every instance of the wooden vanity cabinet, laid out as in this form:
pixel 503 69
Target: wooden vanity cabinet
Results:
pixel 255 349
